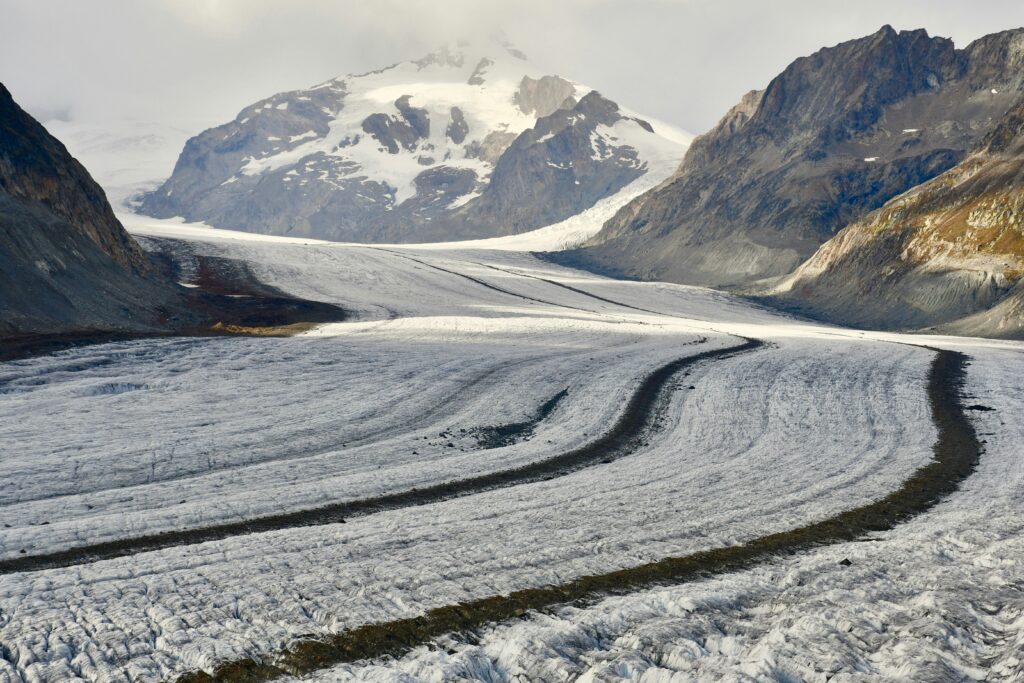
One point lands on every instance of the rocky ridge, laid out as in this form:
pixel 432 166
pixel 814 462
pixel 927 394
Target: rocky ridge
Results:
pixel 468 142
pixel 66 263
pixel 833 137
pixel 947 256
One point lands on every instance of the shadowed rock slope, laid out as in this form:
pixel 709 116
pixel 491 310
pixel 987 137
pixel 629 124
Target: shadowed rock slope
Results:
pixel 66 263
pixel 833 137
pixel 948 255
pixel 70 274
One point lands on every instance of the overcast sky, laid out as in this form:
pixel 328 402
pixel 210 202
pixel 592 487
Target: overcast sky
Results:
pixel 197 62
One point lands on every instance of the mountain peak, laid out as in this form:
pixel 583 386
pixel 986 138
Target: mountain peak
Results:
pixel 842 88
pixel 381 155
pixel 832 137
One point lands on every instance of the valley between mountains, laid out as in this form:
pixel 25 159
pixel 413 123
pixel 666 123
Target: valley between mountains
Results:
pixel 444 343
pixel 355 389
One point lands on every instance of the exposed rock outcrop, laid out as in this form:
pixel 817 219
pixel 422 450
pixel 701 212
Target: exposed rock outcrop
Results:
pixel 66 263
pixel 948 255
pixel 545 95
pixel 833 137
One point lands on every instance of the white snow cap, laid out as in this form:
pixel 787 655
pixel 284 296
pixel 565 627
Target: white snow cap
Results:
pixel 479 79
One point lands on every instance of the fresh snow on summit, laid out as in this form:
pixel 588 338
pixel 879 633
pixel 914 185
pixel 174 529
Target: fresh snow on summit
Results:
pixel 469 142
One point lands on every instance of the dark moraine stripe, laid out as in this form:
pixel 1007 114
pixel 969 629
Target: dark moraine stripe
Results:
pixel 957 451
pixel 640 419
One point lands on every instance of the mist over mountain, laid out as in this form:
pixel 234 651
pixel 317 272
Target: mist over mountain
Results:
pixel 470 141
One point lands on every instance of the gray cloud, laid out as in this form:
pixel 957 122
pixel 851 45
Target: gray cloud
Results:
pixel 197 62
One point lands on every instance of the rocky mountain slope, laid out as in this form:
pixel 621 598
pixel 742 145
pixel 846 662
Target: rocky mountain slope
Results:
pixel 468 142
pixel 66 264
pixel 948 255
pixel 833 137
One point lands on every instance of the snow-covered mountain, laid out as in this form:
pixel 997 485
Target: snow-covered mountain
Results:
pixel 470 141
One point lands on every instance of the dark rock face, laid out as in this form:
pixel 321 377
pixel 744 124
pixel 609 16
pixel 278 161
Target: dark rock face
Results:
pixel 417 118
pixel 947 255
pixel 393 132
pixel 35 167
pixel 477 77
pixel 555 168
pixel 545 95
pixel 833 137
pixel 457 127
pixel 66 263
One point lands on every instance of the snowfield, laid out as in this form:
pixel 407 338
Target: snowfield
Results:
pixel 124 439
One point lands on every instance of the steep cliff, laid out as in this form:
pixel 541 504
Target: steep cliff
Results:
pixel 948 255
pixel 833 137
pixel 66 263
